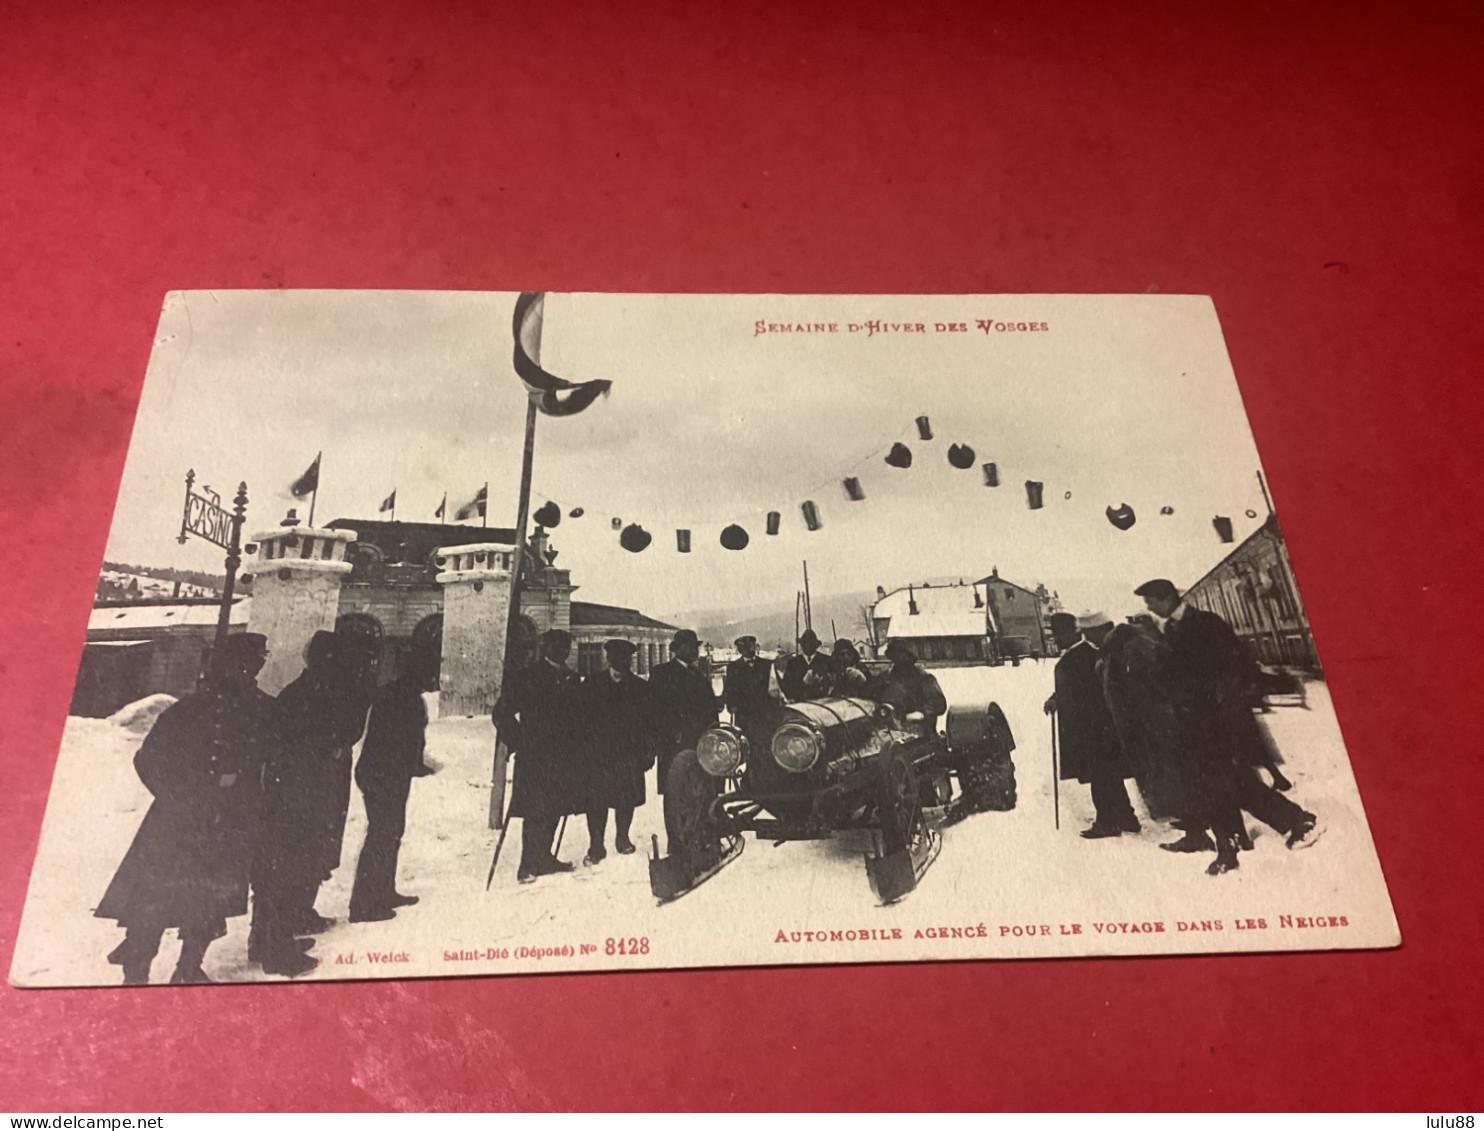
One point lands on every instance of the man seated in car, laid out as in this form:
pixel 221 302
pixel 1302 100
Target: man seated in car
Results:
pixel 911 691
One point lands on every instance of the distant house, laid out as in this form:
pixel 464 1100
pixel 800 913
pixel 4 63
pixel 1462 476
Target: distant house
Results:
pixel 592 624
pixel 1019 615
pixel 940 623
pixel 1253 590
pixel 139 648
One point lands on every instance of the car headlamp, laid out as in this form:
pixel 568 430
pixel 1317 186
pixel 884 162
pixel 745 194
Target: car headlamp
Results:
pixel 720 751
pixel 795 747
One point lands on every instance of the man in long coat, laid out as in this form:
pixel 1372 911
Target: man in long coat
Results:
pixel 1210 681
pixel 537 717
pixel 810 674
pixel 685 704
pixel 189 864
pixel 749 693
pixel 1090 750
pixel 617 713
pixel 390 758
pixel 308 795
pixel 1135 685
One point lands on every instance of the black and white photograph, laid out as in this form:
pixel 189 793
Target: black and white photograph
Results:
pixel 467 633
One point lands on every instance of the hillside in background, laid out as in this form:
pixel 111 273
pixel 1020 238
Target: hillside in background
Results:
pixel 773 625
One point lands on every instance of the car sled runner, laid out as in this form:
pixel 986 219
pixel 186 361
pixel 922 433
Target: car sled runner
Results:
pixel 826 766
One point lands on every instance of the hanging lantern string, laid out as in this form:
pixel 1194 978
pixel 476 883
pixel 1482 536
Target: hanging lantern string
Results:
pixel 1056 493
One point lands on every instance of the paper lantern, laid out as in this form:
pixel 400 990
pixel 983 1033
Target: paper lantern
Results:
pixel 617 524
pixel 1223 527
pixel 811 515
pixel 775 520
pixel 899 456
pixel 682 541
pixel 1166 510
pixel 1033 494
pixel 853 490
pixel 1251 513
pixel 575 512
pixel 548 515
pixel 991 475
pixel 634 538
pixel 961 456
pixel 924 429
pixel 1121 516
pixel 734 538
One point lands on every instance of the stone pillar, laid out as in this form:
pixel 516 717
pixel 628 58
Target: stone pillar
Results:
pixel 476 606
pixel 297 573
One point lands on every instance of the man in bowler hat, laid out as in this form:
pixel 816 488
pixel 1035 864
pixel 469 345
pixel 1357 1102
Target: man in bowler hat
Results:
pixel 685 704
pixel 617 712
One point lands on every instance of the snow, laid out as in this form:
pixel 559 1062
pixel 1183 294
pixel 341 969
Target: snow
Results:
pixel 1015 874
pixel 140 715
pixel 135 618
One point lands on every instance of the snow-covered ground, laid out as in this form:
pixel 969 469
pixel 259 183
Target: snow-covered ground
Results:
pixel 1005 884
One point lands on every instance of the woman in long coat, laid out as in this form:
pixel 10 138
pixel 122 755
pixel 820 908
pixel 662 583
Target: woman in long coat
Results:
pixel 619 745
pixel 189 864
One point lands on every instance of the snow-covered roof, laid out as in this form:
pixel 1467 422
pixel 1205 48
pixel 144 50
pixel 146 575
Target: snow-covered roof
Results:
pixel 142 618
pixel 937 624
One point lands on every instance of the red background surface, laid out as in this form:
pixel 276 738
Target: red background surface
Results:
pixel 1316 169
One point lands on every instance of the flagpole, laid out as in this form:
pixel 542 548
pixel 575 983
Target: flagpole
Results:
pixel 314 496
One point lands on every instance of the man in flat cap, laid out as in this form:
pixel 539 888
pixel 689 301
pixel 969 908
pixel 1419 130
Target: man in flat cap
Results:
pixel 1210 681
pixel 1090 750
pixel 191 859
pixel 685 704
pixel 619 746
pixel 537 717
pixel 810 674
pixel 749 691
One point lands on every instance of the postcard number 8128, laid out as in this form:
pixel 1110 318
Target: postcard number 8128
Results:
pixel 626 946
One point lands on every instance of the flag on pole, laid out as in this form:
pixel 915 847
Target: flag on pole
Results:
pixel 554 396
pixel 308 483
pixel 389 503
pixel 475 506
pixel 442 507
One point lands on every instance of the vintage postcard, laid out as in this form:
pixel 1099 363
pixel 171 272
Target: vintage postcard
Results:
pixel 470 633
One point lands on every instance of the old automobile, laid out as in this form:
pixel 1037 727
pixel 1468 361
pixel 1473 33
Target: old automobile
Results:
pixel 829 765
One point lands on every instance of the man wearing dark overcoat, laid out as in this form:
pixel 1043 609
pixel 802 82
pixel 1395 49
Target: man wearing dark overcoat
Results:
pixel 190 861
pixel 1210 681
pixel 537 717
pixel 748 692
pixel 685 704
pixel 1134 661
pixel 323 714
pixel 1090 750
pixel 617 713
pixel 810 674
pixel 391 757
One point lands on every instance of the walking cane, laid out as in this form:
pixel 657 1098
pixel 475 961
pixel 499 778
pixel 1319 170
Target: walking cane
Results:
pixel 1055 777
pixel 561 832
pixel 504 825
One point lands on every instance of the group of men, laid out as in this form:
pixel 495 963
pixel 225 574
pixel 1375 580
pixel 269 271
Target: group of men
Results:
pixel 583 745
pixel 1168 700
pixel 251 794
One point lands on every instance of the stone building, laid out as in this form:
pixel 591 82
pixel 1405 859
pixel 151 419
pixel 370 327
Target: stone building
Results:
pixel 1018 615
pixel 1253 590
pixel 399 584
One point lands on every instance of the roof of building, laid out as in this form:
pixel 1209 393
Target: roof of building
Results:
pixel 416 541
pixel 932 600
pixel 902 625
pixel 153 615
pixel 1269 528
pixel 995 579
pixel 587 614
